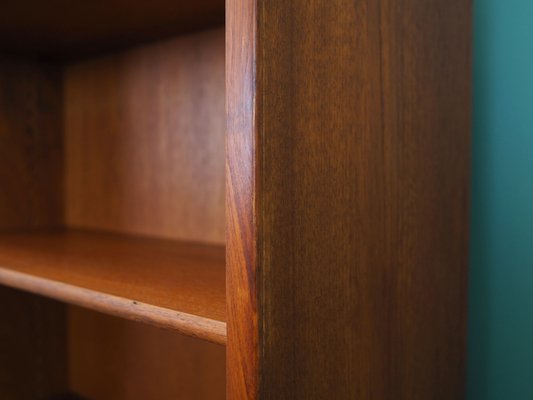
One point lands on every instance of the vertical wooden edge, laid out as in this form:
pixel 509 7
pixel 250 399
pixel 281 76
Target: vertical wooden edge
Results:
pixel 241 254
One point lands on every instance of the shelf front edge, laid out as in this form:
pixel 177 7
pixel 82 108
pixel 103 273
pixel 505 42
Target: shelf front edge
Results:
pixel 184 323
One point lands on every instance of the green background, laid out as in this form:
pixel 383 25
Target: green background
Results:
pixel 500 364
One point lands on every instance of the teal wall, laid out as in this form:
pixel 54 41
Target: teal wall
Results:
pixel 501 278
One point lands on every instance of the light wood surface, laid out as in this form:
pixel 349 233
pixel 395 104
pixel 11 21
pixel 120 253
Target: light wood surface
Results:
pixel 348 153
pixel 144 133
pixel 112 358
pixel 241 256
pixel 61 29
pixel 174 285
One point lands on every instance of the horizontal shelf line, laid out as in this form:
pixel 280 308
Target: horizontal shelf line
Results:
pixel 169 284
pixel 187 324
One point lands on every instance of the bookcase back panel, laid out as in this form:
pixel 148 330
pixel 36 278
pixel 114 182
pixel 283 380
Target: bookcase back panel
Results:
pixel 144 139
pixel 111 358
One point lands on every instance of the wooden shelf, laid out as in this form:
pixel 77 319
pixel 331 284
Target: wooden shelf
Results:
pixel 66 29
pixel 165 283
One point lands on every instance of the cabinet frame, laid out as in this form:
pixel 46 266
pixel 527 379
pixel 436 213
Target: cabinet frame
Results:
pixel 348 151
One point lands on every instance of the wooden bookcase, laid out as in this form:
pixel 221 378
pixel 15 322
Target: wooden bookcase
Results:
pixel 250 200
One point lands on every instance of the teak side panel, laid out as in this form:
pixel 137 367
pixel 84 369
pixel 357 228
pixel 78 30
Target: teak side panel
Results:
pixel 111 358
pixel 33 361
pixel 358 124
pixel 144 133
pixel 242 347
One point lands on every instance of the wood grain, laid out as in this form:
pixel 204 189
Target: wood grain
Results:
pixel 33 362
pixel 61 29
pixel 144 136
pixel 30 145
pixel 173 285
pixel 141 147
pixel 111 358
pixel 243 374
pixel 354 252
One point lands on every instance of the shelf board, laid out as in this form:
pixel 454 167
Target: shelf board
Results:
pixel 66 29
pixel 170 284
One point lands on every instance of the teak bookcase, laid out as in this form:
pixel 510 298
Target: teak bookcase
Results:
pixel 282 186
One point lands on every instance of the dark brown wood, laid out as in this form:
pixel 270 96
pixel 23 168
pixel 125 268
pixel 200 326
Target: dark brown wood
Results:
pixel 348 160
pixel 33 353
pixel 243 373
pixel 30 146
pixel 144 133
pixel 67 396
pixel 61 29
pixel 169 284
pixel 111 358
pixel 33 363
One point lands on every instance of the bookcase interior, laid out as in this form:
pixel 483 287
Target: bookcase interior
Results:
pixel 112 124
